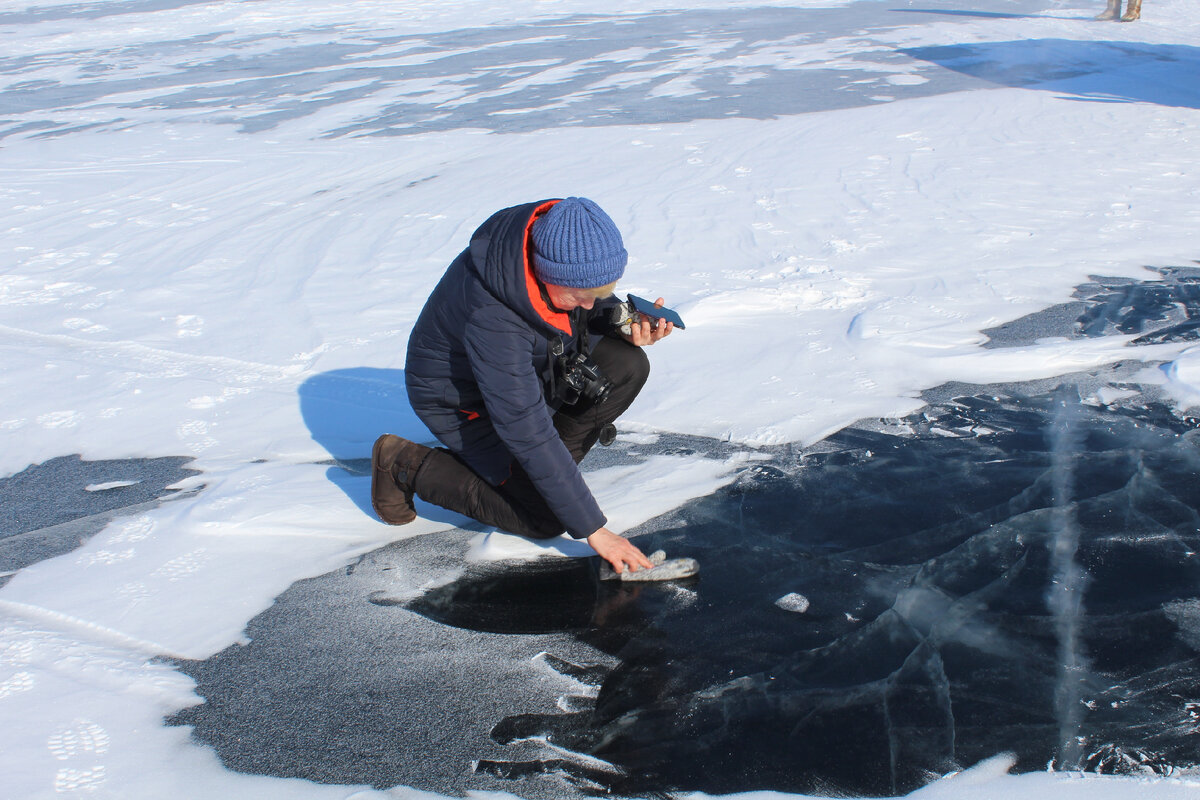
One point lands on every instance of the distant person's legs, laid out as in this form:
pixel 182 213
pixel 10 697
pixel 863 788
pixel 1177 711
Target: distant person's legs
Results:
pixel 1133 10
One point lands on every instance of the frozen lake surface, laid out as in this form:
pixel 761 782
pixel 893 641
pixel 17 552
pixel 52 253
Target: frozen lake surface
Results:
pixel 926 546
pixel 930 430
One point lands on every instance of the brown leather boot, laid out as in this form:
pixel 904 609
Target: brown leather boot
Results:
pixel 394 465
pixel 1112 12
pixel 1133 10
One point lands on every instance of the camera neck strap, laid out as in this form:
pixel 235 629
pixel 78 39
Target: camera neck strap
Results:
pixel 579 328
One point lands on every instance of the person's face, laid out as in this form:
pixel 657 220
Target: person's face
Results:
pixel 564 298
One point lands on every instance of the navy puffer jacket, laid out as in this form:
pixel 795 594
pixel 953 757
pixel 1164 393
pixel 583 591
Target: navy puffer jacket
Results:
pixel 479 370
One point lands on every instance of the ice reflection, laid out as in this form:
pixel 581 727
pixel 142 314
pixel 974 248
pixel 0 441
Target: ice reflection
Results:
pixel 1065 594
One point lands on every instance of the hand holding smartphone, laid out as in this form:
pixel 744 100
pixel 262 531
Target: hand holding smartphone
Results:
pixel 647 309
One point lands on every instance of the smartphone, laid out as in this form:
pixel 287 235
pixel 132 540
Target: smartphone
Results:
pixel 646 308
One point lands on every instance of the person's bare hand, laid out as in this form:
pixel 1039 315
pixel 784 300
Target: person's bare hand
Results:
pixel 618 551
pixel 646 332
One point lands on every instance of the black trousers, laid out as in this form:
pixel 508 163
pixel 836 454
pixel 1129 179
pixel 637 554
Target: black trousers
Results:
pixel 516 506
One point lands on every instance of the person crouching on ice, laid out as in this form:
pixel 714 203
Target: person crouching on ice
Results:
pixel 514 368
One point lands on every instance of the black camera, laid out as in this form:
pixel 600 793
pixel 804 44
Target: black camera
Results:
pixel 580 377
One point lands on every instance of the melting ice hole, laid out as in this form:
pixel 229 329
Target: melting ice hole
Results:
pixel 928 550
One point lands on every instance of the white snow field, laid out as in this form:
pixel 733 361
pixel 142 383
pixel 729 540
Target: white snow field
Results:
pixel 206 204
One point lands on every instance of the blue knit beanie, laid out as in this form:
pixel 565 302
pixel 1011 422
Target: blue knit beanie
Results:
pixel 576 244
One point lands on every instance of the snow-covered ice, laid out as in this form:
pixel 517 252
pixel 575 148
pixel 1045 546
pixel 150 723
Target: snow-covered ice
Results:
pixel 221 219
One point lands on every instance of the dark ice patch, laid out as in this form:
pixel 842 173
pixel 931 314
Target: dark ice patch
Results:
pixel 928 645
pixel 1156 311
pixel 52 508
pixel 339 683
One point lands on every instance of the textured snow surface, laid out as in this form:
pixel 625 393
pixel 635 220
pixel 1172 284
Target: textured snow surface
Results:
pixel 220 220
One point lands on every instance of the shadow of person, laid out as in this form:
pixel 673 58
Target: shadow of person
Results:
pixel 1086 71
pixel 345 411
pixel 550 595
